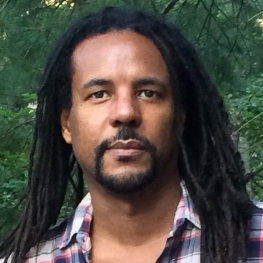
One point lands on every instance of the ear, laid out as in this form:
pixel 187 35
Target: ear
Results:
pixel 65 126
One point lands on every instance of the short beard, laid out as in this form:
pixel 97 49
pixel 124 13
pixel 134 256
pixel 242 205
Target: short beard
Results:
pixel 125 183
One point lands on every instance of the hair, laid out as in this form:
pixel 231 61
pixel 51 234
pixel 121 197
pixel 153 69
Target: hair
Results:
pixel 208 163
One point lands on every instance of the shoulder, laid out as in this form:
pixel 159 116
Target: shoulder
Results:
pixel 49 245
pixel 255 246
pixel 256 228
pixel 257 216
pixel 48 248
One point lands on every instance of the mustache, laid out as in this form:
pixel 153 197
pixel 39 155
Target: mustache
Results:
pixel 124 133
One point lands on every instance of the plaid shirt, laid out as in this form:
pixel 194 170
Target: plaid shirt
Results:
pixel 69 242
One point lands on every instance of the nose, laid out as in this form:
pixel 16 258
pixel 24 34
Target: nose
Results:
pixel 125 111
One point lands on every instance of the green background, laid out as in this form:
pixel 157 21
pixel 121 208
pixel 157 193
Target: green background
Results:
pixel 227 34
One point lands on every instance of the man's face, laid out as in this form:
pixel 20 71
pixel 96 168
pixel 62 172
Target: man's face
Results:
pixel 121 124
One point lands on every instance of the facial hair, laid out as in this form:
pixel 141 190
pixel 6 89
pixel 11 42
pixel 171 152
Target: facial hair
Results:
pixel 127 182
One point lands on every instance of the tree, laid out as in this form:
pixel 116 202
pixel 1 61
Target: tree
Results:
pixel 228 35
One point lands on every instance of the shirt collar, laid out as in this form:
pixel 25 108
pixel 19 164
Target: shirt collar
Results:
pixel 80 222
pixel 185 210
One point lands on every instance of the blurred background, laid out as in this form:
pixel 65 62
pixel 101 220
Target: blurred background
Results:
pixel 227 33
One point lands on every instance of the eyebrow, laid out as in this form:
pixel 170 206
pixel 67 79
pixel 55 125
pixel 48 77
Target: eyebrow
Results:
pixel 136 82
pixel 148 81
pixel 97 81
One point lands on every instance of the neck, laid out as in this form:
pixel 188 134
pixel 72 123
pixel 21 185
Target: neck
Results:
pixel 139 218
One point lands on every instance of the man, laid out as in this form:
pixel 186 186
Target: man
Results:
pixel 125 101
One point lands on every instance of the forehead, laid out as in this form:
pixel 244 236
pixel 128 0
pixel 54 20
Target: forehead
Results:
pixel 118 48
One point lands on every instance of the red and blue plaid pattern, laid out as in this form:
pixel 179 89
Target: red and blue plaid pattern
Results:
pixel 69 242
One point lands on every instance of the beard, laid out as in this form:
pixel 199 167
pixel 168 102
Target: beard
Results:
pixel 126 182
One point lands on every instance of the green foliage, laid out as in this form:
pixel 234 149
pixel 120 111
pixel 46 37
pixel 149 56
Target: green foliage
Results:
pixel 15 138
pixel 246 110
pixel 227 35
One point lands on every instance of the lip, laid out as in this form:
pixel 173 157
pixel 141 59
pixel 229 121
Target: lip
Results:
pixel 126 145
pixel 126 148
pixel 126 152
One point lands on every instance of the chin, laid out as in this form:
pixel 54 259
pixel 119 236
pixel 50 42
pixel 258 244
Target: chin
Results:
pixel 126 182
pixel 127 175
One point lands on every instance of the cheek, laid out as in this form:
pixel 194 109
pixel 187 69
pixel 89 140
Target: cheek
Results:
pixel 161 120
pixel 85 132
pixel 163 135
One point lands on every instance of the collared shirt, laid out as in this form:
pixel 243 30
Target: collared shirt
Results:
pixel 69 242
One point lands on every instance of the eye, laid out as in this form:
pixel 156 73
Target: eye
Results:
pixel 98 95
pixel 147 93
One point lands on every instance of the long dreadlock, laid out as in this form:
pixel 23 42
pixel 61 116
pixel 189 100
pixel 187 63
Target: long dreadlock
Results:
pixel 208 163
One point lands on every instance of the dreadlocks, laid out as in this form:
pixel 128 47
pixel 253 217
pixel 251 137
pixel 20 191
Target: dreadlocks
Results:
pixel 208 163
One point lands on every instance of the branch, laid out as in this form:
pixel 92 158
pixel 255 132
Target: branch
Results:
pixel 4 5
pixel 254 145
pixel 12 129
pixel 218 25
pixel 249 122
pixel 206 19
pixel 258 14
pixel 24 147
pixel 169 7
pixel 258 169
pixel 154 6
pixel 249 176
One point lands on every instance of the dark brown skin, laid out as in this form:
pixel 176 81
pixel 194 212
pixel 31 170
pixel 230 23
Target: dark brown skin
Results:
pixel 131 227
